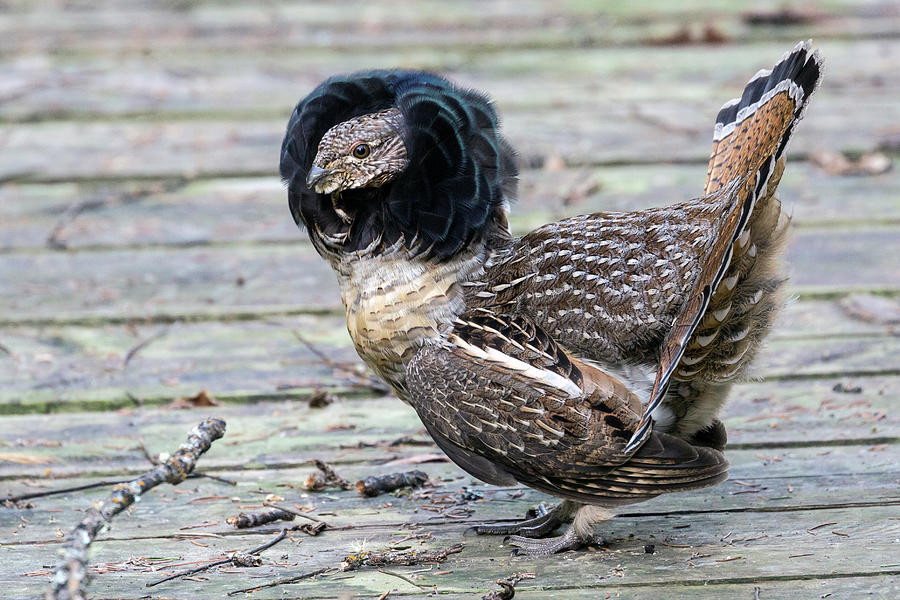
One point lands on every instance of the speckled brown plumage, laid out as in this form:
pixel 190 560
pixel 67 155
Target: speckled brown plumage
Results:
pixel 587 359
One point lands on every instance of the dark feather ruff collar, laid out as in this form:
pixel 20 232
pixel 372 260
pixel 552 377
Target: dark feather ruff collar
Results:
pixel 460 171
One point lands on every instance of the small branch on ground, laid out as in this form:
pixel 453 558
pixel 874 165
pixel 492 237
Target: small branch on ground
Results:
pixel 508 587
pixel 353 562
pixel 245 520
pixel 285 581
pixel 154 460
pixel 237 559
pixel 77 488
pixel 325 476
pixel 313 529
pixel 144 343
pixel 71 576
pixel 383 484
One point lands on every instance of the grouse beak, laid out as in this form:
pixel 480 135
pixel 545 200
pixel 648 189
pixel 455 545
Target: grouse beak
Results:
pixel 316 175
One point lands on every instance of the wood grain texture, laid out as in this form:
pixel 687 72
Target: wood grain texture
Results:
pixel 138 150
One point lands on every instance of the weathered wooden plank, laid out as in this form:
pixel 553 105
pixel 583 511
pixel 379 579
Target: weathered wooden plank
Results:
pixel 661 130
pixel 361 24
pixel 764 549
pixel 753 487
pixel 74 367
pixel 100 367
pixel 76 85
pixel 84 215
pixel 166 283
pixel 883 587
pixel 266 434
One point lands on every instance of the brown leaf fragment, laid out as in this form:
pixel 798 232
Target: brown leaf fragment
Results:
pixel 320 398
pixel 872 309
pixel 708 33
pixel 201 399
pixel 325 476
pixel 835 163
pixel 780 17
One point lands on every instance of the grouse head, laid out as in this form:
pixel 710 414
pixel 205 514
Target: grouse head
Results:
pixel 366 151
pixel 381 159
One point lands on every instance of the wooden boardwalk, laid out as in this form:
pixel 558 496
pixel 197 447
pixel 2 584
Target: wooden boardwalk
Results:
pixel 147 253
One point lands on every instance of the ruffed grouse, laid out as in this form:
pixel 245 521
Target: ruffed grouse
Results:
pixel 586 359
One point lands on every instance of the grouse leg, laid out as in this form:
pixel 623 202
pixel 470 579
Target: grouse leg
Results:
pixel 542 524
pixel 579 533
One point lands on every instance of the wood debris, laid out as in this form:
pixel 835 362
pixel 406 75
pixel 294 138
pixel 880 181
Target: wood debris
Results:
pixel 198 400
pixel 507 587
pixel 353 562
pixel 244 520
pixel 323 477
pixel 383 484
pixel 71 576
pixel 835 163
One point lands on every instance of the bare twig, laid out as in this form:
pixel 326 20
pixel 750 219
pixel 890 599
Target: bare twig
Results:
pixel 285 581
pixel 293 511
pixel 348 368
pixel 153 460
pixel 323 477
pixel 143 344
pixel 401 576
pixel 238 559
pixel 383 484
pixel 54 239
pixel 386 559
pixel 66 490
pixel 71 575
pixel 508 587
pixel 244 520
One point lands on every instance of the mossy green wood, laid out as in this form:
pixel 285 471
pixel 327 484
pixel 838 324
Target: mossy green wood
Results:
pixel 759 484
pixel 765 418
pixel 62 368
pixel 676 130
pixel 235 283
pixel 234 211
pixel 689 556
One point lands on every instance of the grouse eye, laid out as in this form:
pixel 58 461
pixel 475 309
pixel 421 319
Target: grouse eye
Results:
pixel 361 150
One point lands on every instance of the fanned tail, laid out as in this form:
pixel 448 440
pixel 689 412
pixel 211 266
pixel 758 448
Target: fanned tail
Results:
pixel 749 140
pixel 752 131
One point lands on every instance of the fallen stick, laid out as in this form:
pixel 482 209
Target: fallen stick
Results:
pixel 353 562
pixel 245 520
pixel 66 490
pixel 315 528
pixel 383 484
pixel 89 486
pixel 325 476
pixel 70 579
pixel 238 559
pixel 284 581
pixel 507 587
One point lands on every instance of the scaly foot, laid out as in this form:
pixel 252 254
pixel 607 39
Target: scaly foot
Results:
pixel 570 540
pixel 542 524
